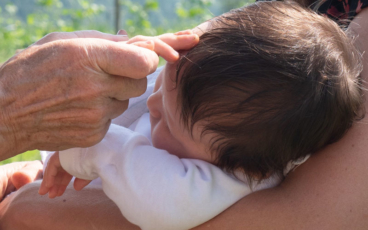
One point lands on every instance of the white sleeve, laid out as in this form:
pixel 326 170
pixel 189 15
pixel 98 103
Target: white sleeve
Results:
pixel 152 188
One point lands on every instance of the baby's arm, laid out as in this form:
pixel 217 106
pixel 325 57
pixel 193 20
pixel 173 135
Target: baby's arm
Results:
pixel 152 188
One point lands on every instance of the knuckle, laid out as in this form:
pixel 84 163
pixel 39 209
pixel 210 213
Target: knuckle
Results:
pixel 94 139
pixel 136 39
pixel 145 63
pixel 165 36
pixel 94 31
pixel 124 105
pixel 52 35
pixel 139 38
pixel 140 86
pixel 135 87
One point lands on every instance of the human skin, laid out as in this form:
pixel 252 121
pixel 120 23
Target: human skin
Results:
pixel 63 91
pixel 326 192
pixel 13 176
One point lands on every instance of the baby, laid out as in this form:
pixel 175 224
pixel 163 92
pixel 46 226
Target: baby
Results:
pixel 267 85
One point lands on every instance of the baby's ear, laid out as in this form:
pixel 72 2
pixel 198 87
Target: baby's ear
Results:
pixel 79 184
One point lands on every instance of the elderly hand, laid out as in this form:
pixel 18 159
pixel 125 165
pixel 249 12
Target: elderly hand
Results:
pixel 63 91
pixel 13 176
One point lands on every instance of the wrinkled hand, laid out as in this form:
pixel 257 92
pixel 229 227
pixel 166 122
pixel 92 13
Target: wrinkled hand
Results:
pixel 63 91
pixel 13 176
pixel 56 179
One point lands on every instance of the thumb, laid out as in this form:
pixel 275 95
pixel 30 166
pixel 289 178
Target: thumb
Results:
pixel 122 59
pixel 26 175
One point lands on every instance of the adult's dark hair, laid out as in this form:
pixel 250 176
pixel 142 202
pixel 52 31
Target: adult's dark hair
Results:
pixel 274 82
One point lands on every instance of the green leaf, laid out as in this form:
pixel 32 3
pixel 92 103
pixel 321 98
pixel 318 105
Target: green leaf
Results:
pixel 11 9
pixel 151 5
pixel 129 22
pixel 30 19
pixel 195 11
pixel 45 2
pixel 181 12
pixel 146 24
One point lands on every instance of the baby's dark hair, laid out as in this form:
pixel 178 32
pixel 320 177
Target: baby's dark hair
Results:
pixel 274 82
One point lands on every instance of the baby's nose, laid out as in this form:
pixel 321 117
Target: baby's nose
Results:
pixel 154 103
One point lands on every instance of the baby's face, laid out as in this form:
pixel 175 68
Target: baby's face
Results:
pixel 168 132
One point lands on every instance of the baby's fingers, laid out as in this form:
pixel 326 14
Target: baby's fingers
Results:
pixel 145 44
pixel 183 40
pixel 43 188
pixel 161 48
pixel 50 173
pixel 61 182
pixel 53 192
pixel 64 181
pixel 79 184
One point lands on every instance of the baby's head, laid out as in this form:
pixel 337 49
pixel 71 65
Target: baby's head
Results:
pixel 267 83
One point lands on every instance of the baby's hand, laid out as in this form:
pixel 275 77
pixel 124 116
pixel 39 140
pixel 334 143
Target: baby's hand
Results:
pixel 165 45
pixel 56 179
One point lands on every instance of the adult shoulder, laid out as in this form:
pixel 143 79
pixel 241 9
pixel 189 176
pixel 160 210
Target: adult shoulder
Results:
pixel 326 192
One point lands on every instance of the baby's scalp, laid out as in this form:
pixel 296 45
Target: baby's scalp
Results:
pixel 274 82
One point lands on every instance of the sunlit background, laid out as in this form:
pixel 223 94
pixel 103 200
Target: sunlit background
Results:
pixel 22 22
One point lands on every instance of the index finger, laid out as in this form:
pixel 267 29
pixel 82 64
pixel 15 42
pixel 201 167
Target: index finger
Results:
pixel 180 41
pixel 125 60
pixel 80 34
pixel 183 40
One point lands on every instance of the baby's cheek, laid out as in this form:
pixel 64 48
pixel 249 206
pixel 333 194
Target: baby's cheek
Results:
pixel 159 135
pixel 162 139
pixel 158 81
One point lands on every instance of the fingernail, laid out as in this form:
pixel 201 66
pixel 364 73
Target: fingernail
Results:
pixel 122 32
pixel 184 32
pixel 176 54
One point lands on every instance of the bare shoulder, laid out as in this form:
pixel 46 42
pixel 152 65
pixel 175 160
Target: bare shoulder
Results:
pixel 326 192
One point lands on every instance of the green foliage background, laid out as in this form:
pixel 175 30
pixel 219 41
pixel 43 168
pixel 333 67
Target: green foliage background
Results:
pixel 24 22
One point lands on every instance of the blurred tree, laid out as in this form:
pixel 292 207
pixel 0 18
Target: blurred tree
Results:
pixel 117 15
pixel 24 22
pixel 50 15
pixel 232 4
